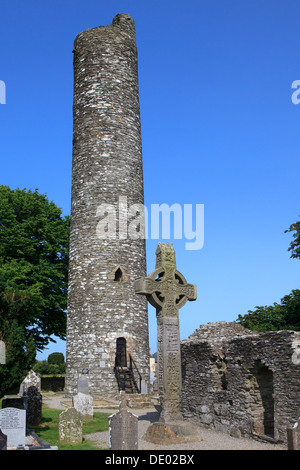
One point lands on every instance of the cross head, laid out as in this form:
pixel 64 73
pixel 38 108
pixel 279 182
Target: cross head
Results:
pixel 166 288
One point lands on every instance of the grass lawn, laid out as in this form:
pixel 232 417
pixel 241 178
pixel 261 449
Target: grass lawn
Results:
pixel 48 429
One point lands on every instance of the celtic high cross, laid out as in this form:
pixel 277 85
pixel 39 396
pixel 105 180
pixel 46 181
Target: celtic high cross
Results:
pixel 167 290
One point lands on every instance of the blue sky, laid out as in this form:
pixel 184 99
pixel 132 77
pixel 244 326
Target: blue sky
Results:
pixel 218 125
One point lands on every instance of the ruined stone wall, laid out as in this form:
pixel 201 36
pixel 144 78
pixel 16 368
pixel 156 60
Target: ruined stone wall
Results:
pixel 107 165
pixel 241 382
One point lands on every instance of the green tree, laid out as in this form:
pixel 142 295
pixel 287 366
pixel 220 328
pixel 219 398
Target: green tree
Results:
pixel 56 363
pixel 56 358
pixel 295 244
pixel 20 357
pixel 34 242
pixel 41 367
pixel 283 316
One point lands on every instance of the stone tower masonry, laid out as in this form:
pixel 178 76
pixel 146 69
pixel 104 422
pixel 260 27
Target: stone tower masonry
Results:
pixel 105 316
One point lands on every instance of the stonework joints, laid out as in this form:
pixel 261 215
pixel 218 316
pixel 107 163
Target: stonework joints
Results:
pixel 107 165
pixel 241 382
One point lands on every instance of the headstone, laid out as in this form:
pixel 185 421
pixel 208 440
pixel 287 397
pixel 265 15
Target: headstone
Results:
pixel 34 406
pixel 123 428
pixel 293 436
pixel 70 427
pixel 2 353
pixel 3 441
pixel 83 384
pixel 292 443
pixel 83 403
pixel 32 379
pixel 167 290
pixel 13 424
pixel 14 402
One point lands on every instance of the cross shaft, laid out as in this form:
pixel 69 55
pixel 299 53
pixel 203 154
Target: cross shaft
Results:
pixel 167 290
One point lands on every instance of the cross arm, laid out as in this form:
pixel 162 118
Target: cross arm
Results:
pixel 188 290
pixel 150 288
pixel 145 286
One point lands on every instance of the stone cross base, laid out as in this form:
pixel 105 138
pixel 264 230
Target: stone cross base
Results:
pixel 173 433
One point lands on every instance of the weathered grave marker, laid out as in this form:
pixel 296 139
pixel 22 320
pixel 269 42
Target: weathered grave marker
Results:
pixel 123 428
pixel 293 436
pixel 83 384
pixel 13 425
pixel 32 379
pixel 84 404
pixel 14 402
pixel 34 406
pixel 70 427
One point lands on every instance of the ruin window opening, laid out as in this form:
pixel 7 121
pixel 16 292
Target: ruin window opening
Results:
pixel 219 368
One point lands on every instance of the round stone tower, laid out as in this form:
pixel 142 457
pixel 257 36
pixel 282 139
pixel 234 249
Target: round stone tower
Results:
pixel 107 323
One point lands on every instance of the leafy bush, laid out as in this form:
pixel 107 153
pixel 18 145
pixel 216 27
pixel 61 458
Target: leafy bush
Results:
pixel 54 366
pixel 56 358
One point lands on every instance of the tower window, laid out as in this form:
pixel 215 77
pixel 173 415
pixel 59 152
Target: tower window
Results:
pixel 118 275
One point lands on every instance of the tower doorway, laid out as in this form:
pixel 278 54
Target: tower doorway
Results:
pixel 121 359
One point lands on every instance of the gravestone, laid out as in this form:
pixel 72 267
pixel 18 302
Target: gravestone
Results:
pixel 3 441
pixel 83 403
pixel 83 385
pixel 293 436
pixel 167 290
pixel 2 353
pixel 70 427
pixel 123 428
pixel 32 379
pixel 13 425
pixel 15 402
pixel 34 406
